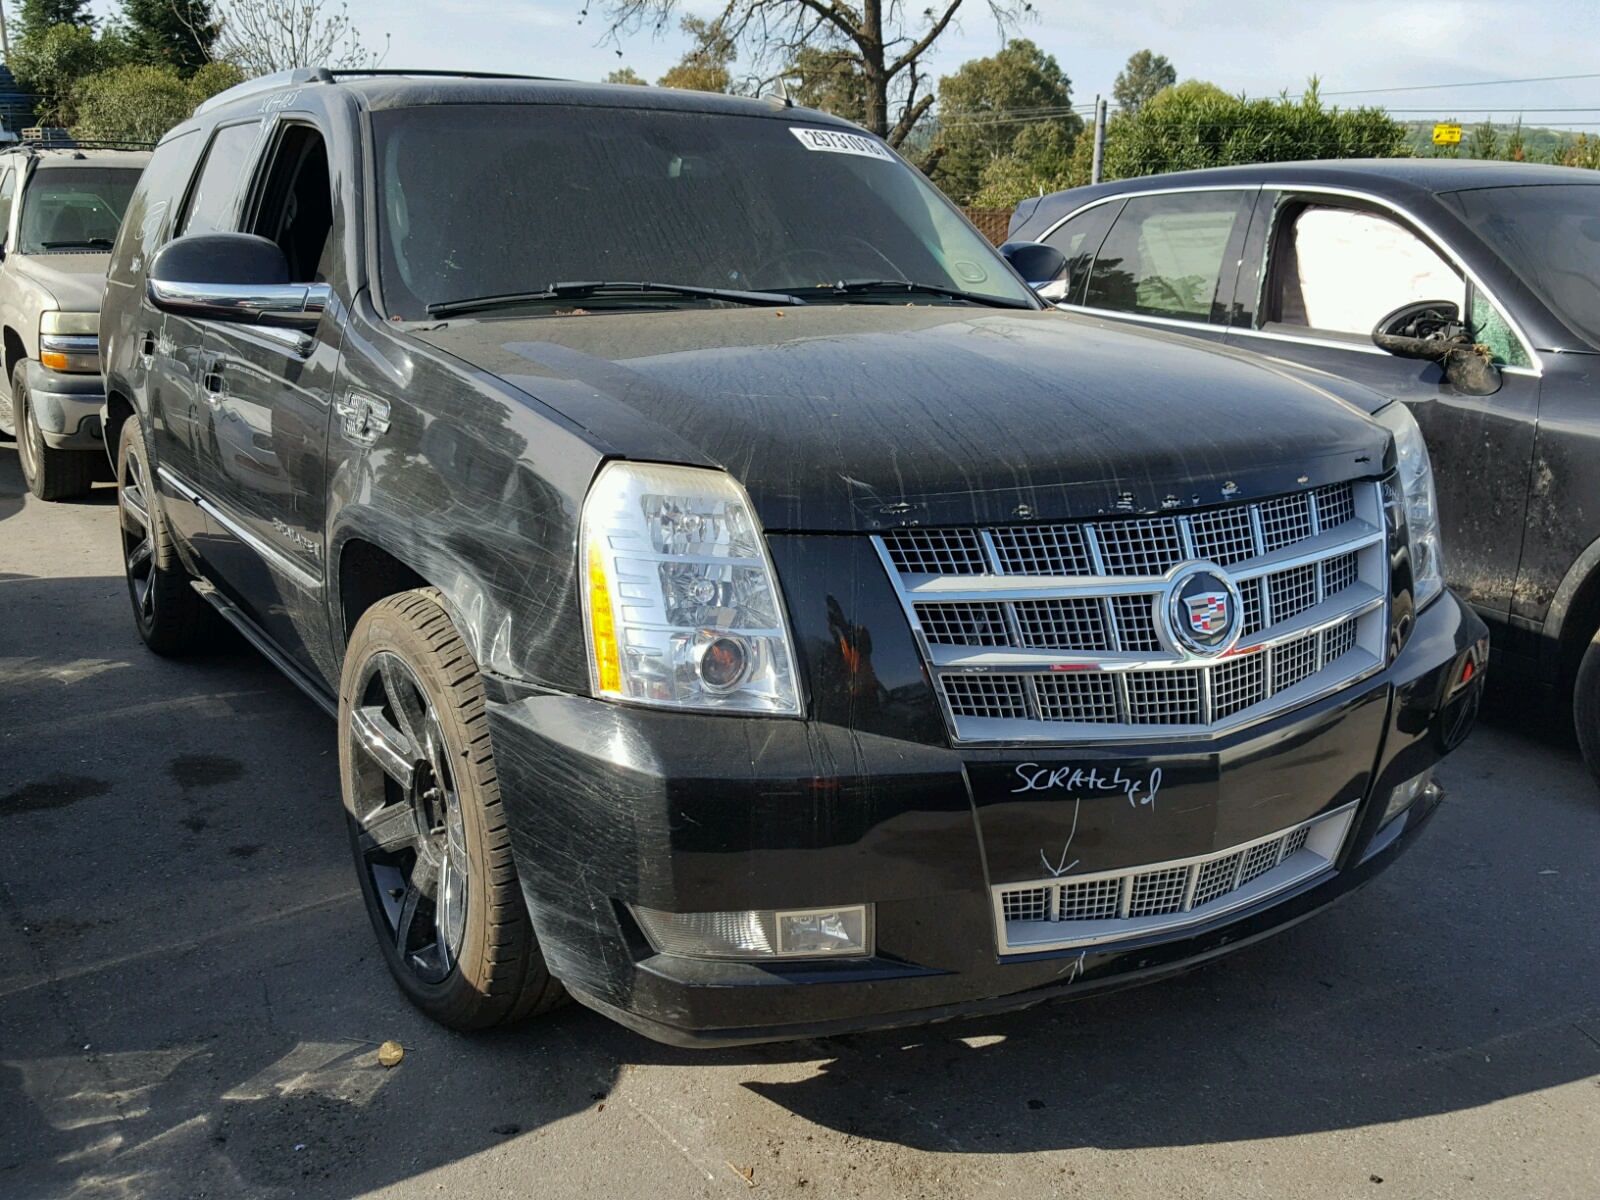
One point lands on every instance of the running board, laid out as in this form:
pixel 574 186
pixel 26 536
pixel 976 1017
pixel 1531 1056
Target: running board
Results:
pixel 253 634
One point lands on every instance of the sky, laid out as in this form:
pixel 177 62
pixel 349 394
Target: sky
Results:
pixel 1260 47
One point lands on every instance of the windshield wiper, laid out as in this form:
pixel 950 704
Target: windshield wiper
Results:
pixel 581 290
pixel 80 244
pixel 876 287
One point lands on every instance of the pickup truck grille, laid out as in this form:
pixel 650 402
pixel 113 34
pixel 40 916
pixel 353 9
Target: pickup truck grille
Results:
pixel 1061 632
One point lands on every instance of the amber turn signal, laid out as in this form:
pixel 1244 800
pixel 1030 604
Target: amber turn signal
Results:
pixel 53 360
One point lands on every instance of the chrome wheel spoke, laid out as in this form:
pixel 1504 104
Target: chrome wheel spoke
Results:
pixel 390 829
pixel 387 746
pixel 404 700
pixel 140 555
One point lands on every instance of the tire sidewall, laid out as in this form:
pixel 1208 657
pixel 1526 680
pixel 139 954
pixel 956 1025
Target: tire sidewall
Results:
pixel 30 445
pixel 1586 706
pixel 385 628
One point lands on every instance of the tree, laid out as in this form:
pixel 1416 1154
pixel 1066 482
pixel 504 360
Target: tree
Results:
pixel 138 103
pixel 1139 81
pixel 704 66
pixel 263 36
pixel 1197 125
pixel 985 107
pixel 173 33
pixel 888 43
pixel 627 75
pixel 1040 160
pixel 36 16
pixel 828 79
pixel 49 62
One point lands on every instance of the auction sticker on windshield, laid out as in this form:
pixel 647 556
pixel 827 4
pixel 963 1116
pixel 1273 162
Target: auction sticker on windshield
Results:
pixel 835 141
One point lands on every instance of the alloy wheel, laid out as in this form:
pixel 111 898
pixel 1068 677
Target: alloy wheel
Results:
pixel 411 840
pixel 138 538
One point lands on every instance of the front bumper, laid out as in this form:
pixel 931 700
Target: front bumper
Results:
pixel 612 806
pixel 67 407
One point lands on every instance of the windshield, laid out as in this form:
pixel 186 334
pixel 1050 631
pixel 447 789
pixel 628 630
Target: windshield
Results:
pixel 493 200
pixel 1550 236
pixel 74 208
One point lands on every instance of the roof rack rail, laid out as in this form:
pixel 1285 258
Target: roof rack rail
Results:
pixel 435 73
pixel 301 76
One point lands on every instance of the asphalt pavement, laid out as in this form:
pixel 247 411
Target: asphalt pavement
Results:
pixel 191 1000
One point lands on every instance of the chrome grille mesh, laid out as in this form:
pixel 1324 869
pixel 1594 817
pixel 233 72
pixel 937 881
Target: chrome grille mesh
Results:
pixel 936 552
pixel 1136 622
pixel 1076 696
pixel 1046 625
pixel 1140 547
pixel 1043 550
pixel 1070 624
pixel 964 624
pixel 1106 905
pixel 1096 900
pixel 998 696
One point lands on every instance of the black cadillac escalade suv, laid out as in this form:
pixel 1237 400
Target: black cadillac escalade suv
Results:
pixel 746 607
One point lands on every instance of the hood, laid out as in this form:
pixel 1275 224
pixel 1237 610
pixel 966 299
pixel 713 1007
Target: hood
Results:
pixel 76 281
pixel 859 417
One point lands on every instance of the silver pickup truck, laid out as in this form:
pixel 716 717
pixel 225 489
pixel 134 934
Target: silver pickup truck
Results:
pixel 59 213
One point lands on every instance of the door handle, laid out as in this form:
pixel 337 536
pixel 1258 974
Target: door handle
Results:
pixel 147 346
pixel 212 384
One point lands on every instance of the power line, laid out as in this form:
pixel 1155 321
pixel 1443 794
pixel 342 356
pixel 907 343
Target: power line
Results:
pixel 1425 87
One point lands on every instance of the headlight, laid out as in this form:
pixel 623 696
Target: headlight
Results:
pixel 1422 505
pixel 680 599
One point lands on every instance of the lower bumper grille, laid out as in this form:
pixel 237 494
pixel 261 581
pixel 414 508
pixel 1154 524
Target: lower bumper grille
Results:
pixel 1108 906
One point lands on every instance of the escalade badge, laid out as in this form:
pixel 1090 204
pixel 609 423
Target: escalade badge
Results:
pixel 1204 612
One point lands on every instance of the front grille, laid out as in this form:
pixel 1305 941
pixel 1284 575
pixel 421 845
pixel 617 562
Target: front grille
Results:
pixel 1077 696
pixel 1071 624
pixel 1042 550
pixel 936 552
pixel 1044 626
pixel 1054 913
pixel 998 696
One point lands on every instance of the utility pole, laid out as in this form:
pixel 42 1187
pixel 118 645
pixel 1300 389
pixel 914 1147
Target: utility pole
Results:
pixel 1099 139
pixel 5 40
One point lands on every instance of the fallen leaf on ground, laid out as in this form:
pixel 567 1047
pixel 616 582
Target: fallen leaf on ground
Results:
pixel 390 1053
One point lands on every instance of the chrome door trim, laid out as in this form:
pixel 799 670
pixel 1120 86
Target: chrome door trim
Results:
pixel 271 554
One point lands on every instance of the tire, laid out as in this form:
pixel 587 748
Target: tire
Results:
pixel 171 617
pixel 1586 706
pixel 50 474
pixel 427 828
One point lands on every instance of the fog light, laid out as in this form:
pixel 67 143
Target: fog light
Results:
pixel 824 931
pixel 760 933
pixel 1406 794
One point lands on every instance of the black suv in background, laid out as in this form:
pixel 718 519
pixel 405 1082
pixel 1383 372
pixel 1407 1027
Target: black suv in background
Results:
pixel 1389 272
pixel 744 604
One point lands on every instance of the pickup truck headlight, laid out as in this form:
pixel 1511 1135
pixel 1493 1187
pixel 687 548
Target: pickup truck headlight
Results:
pixel 70 341
pixel 1421 503
pixel 680 600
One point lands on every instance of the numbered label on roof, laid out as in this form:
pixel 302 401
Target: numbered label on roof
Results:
pixel 836 141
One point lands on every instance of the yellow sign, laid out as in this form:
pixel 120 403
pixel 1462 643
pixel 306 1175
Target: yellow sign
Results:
pixel 1447 135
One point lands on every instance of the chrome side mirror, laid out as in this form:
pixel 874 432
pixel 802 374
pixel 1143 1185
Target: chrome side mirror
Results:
pixel 235 277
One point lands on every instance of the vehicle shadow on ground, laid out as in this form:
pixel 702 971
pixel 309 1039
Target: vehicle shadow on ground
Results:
pixel 192 1000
